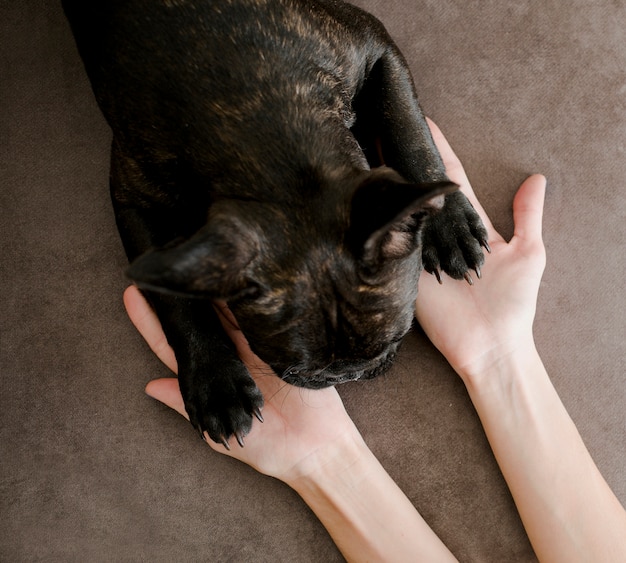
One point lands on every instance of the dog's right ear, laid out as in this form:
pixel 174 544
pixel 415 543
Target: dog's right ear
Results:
pixel 387 214
pixel 212 263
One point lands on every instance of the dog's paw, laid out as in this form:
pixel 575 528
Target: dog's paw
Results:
pixel 453 240
pixel 223 406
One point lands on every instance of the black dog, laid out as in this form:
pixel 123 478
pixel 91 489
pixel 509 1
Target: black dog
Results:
pixel 248 139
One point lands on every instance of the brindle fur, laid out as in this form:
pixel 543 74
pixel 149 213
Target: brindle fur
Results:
pixel 248 137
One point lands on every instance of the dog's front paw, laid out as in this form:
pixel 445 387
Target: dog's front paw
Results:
pixel 453 239
pixel 222 405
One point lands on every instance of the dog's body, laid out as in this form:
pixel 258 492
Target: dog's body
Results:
pixel 247 136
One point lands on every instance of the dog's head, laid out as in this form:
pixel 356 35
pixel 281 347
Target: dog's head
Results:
pixel 323 288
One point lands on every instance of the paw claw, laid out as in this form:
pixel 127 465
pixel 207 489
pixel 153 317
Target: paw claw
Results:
pixel 468 278
pixel 257 413
pixel 485 245
pixel 478 273
pixel 224 442
pixel 239 436
pixel 201 432
pixel 438 275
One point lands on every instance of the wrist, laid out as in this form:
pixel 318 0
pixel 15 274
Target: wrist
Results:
pixel 506 359
pixel 364 511
pixel 346 451
pixel 506 376
pixel 337 484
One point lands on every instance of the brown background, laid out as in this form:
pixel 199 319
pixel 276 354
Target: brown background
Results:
pixel 92 470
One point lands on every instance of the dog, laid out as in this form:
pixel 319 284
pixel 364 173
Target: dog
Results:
pixel 273 154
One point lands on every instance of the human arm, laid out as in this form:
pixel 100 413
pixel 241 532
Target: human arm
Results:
pixel 309 442
pixel 568 510
pixel 485 331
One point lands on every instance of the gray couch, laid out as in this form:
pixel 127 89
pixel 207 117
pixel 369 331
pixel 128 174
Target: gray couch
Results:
pixel 93 470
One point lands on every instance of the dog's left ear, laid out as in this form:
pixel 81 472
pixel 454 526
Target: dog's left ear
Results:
pixel 387 213
pixel 213 263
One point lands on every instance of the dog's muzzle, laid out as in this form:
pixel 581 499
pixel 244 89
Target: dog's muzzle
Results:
pixel 340 371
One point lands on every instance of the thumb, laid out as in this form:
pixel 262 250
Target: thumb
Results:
pixel 167 391
pixel 149 326
pixel 528 208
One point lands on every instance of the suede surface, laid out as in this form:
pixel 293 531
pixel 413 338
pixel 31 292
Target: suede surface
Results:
pixel 93 470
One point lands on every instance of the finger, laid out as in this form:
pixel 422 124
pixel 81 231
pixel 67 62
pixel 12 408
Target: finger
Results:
pixel 451 161
pixel 456 173
pixel 528 208
pixel 167 391
pixel 231 327
pixel 225 314
pixel 148 325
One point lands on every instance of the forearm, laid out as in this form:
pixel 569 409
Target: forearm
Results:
pixel 365 512
pixel 568 510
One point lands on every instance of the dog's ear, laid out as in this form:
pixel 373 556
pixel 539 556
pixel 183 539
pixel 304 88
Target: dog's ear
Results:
pixel 212 263
pixel 387 213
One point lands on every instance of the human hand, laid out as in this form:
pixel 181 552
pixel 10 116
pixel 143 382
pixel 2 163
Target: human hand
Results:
pixel 301 428
pixel 476 326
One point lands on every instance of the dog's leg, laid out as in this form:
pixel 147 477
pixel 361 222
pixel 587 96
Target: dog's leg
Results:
pixel 220 395
pixel 391 127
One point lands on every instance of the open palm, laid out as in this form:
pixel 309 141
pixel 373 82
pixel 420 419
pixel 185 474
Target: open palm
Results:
pixel 297 422
pixel 473 326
